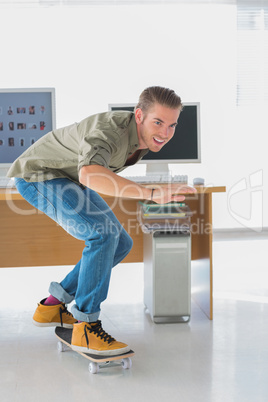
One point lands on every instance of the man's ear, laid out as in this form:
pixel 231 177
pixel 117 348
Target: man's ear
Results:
pixel 139 116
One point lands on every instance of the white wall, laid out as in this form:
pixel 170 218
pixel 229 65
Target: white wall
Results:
pixel 97 55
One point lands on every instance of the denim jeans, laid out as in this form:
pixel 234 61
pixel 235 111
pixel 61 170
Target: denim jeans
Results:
pixel 87 217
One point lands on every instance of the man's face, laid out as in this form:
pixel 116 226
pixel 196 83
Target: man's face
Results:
pixel 157 127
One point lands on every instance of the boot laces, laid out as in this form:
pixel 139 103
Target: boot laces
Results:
pixel 99 331
pixel 63 310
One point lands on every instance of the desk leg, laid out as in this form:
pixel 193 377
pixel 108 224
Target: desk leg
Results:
pixel 202 281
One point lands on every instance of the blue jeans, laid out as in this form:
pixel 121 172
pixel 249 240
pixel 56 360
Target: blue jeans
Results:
pixel 85 216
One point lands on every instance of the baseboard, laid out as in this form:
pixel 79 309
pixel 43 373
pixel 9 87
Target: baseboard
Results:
pixel 240 234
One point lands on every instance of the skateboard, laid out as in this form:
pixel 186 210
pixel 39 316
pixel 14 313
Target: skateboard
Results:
pixel 96 362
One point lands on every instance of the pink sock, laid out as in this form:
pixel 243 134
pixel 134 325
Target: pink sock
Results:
pixel 51 301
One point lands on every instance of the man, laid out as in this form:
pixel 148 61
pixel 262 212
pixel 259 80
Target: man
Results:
pixel 62 174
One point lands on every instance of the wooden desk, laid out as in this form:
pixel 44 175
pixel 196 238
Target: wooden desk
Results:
pixel 29 238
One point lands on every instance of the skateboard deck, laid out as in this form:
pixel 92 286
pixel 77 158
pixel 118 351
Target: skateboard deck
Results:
pixel 96 362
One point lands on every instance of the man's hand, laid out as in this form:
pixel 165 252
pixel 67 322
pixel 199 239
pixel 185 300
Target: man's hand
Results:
pixel 171 192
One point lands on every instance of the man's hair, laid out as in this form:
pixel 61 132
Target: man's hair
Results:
pixel 163 96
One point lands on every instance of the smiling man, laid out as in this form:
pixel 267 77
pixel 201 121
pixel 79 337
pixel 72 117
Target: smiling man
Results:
pixel 156 127
pixel 62 175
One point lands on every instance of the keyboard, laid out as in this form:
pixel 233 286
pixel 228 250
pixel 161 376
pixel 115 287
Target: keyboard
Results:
pixel 158 178
pixel 7 182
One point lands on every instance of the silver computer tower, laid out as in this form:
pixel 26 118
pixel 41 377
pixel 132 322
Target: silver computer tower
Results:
pixel 167 275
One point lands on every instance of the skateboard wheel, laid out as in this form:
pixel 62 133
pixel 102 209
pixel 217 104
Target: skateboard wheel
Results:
pixel 93 368
pixel 127 363
pixel 61 347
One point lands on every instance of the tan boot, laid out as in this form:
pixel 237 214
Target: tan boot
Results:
pixel 53 316
pixel 91 338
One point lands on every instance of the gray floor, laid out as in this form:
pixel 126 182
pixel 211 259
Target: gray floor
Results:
pixel 203 361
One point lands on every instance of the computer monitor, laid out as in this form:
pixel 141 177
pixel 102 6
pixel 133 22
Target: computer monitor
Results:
pixel 184 147
pixel 25 116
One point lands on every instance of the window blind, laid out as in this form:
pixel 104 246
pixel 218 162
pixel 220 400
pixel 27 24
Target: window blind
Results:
pixel 252 52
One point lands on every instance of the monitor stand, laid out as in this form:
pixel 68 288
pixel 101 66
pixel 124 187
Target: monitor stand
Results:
pixel 157 169
pixel 4 169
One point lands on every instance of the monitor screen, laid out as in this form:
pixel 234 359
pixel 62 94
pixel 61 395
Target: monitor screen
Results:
pixel 184 147
pixel 25 116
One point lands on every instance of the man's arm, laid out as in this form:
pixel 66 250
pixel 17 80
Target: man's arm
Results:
pixel 104 181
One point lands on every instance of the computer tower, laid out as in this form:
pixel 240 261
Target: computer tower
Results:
pixel 167 275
